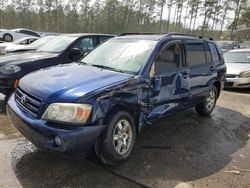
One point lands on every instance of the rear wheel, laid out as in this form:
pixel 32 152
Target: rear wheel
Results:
pixel 8 38
pixel 116 142
pixel 208 103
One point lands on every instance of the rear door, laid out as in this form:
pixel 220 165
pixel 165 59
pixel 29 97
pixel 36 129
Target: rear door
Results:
pixel 202 70
pixel 218 60
pixel 170 75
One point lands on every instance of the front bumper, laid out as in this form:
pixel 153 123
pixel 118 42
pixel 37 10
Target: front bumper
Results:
pixel 73 140
pixel 237 82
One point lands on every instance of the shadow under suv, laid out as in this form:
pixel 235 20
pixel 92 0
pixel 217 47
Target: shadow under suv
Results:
pixel 127 82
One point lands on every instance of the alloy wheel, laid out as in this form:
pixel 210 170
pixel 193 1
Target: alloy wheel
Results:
pixel 122 136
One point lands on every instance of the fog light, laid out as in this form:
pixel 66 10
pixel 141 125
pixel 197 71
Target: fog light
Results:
pixel 58 141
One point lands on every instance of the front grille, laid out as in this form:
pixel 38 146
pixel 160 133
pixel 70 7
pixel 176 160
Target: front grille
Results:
pixel 231 76
pixel 229 84
pixel 28 102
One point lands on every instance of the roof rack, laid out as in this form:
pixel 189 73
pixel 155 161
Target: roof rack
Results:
pixel 171 35
pixel 124 34
pixel 189 35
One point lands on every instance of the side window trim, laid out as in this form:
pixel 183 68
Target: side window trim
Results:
pixel 207 48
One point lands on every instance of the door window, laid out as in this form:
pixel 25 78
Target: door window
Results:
pixel 104 38
pixel 195 54
pixel 86 44
pixel 30 41
pixel 169 60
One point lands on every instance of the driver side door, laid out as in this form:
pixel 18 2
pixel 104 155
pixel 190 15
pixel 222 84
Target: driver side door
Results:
pixel 170 80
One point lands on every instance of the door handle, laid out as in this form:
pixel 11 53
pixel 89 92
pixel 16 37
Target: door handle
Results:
pixel 212 68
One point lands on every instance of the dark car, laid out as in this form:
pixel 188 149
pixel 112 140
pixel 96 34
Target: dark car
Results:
pixel 105 100
pixel 59 50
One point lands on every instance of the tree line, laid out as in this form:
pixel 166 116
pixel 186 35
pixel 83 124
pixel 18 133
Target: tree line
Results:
pixel 119 16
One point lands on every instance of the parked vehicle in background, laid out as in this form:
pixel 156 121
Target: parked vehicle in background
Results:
pixel 228 45
pixel 59 50
pixel 15 34
pixel 106 98
pixel 33 46
pixel 20 42
pixel 246 44
pixel 238 68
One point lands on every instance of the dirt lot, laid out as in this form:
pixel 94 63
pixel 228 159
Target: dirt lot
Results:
pixel 183 151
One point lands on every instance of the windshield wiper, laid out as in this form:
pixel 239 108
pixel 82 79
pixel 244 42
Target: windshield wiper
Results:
pixel 107 67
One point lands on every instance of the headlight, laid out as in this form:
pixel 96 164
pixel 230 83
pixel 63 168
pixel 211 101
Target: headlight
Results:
pixel 245 74
pixel 68 113
pixel 9 69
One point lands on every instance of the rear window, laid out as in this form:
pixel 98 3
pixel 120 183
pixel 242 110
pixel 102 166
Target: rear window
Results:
pixel 195 54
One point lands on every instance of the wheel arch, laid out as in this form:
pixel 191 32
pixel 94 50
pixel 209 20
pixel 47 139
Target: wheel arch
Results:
pixel 217 84
pixel 132 110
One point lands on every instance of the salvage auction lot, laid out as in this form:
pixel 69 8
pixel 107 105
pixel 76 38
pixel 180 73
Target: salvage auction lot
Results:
pixel 185 150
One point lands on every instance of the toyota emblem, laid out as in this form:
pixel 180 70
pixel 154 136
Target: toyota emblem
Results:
pixel 23 99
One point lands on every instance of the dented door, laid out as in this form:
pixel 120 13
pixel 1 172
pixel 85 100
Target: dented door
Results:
pixel 171 88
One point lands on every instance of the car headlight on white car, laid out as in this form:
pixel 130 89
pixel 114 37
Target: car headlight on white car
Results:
pixel 68 113
pixel 9 69
pixel 245 74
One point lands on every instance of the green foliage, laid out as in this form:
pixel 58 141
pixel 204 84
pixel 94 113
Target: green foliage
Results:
pixel 119 16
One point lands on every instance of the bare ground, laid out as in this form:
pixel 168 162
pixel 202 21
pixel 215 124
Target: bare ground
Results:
pixel 184 151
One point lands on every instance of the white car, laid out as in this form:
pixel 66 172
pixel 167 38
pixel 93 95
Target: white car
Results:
pixel 23 41
pixel 15 34
pixel 238 68
pixel 33 46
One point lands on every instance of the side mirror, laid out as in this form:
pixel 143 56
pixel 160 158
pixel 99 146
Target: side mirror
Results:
pixel 75 52
pixel 157 81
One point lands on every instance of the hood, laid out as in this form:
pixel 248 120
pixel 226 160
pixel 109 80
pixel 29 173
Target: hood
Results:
pixel 237 68
pixel 66 83
pixel 11 48
pixel 19 58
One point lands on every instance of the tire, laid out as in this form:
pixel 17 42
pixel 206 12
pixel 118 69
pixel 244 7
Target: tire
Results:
pixel 8 38
pixel 208 104
pixel 110 147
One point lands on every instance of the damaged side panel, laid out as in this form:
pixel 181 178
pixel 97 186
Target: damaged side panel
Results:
pixel 140 97
pixel 131 95
pixel 172 95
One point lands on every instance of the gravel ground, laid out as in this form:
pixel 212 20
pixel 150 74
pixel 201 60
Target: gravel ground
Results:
pixel 183 151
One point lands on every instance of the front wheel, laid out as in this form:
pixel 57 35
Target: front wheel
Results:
pixel 208 104
pixel 116 143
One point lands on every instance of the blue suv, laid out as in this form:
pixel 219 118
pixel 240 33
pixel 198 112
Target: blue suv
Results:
pixel 104 100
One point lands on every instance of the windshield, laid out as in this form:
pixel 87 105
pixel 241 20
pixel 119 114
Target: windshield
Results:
pixel 41 41
pixel 57 45
pixel 19 41
pixel 121 54
pixel 237 57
